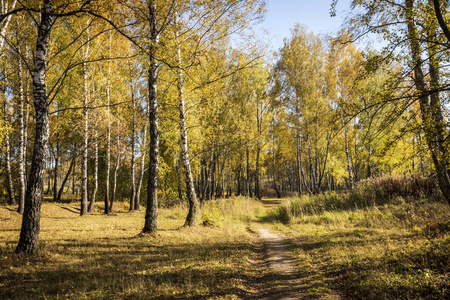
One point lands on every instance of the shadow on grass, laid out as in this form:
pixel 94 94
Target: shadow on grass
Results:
pixel 130 269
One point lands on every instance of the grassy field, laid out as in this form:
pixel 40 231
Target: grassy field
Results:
pixel 106 257
pixel 397 249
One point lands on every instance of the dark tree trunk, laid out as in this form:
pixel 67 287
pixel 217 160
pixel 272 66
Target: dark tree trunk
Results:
pixel 55 170
pixel 151 213
pixel 72 162
pixel 29 233
pixel 133 152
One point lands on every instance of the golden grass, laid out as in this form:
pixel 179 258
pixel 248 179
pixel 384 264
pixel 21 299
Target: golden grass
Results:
pixel 388 252
pixel 106 257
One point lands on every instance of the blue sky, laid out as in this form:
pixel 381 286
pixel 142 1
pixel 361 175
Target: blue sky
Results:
pixel 282 15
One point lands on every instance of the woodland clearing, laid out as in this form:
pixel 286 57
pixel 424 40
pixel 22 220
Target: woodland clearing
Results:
pixel 392 252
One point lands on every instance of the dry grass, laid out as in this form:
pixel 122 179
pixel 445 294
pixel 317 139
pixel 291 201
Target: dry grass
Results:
pixel 395 251
pixel 106 257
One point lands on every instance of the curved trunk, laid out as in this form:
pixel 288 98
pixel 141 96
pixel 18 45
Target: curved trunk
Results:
pixel 61 189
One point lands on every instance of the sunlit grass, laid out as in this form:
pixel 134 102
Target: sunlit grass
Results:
pixel 394 251
pixel 105 257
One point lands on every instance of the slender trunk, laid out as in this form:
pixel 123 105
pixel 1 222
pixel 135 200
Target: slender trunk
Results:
pixel 22 140
pixel 258 150
pixel 72 162
pixel 141 175
pixel 274 173
pixel 180 184
pixel 74 176
pixel 94 191
pixel 116 169
pixel 108 133
pixel 84 163
pixel 299 163
pixel 212 171
pixel 133 152
pixel 312 171
pixel 317 158
pixel 194 206
pixel 208 178
pixel 9 181
pixel 257 194
pixel 29 233
pixel 249 179
pixel 55 170
pixel 351 180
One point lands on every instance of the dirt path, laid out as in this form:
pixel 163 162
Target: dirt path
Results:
pixel 287 280
pixel 284 282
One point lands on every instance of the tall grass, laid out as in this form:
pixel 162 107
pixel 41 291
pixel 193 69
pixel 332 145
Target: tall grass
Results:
pixel 367 193
pixel 387 239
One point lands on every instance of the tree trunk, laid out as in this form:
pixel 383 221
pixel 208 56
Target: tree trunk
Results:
pixel 257 194
pixel 430 104
pixel 72 163
pixel 194 206
pixel 94 191
pixel 116 169
pixel 9 181
pixel 180 184
pixel 249 178
pixel 108 134
pixel 22 140
pixel 299 163
pixel 151 213
pixel 133 151
pixel 258 150
pixel 351 180
pixel 55 170
pixel 141 176
pixel 29 233
pixel 84 163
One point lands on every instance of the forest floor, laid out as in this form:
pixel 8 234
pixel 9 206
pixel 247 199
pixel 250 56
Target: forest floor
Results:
pixel 245 255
